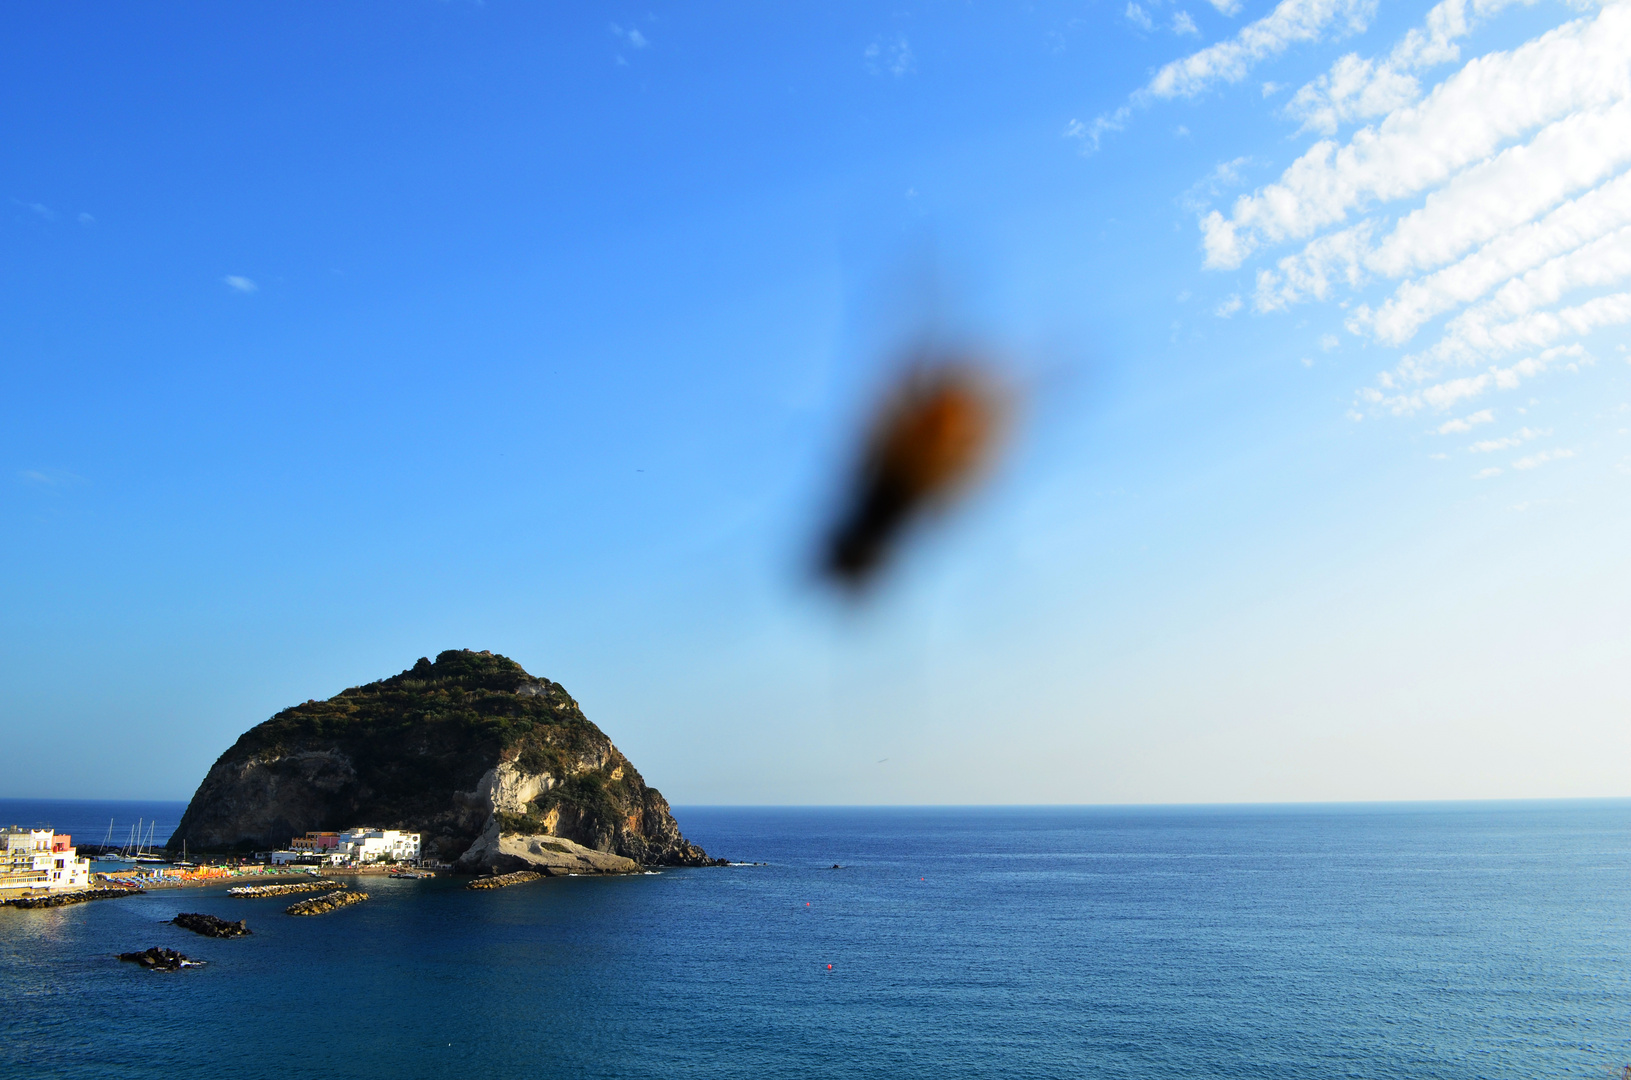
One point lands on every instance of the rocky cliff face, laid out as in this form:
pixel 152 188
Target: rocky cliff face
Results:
pixel 486 761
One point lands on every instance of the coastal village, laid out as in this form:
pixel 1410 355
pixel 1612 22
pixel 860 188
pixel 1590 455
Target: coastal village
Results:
pixel 38 862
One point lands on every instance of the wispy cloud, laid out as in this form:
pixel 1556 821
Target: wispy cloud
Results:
pixel 50 478
pixel 1357 89
pixel 1465 423
pixel 1291 22
pixel 1464 120
pixel 1183 23
pixel 1536 460
pixel 1497 201
pixel 1139 17
pixel 1517 438
pixel 240 284
pixel 630 36
pixel 890 57
pixel 38 209
pixel 1230 305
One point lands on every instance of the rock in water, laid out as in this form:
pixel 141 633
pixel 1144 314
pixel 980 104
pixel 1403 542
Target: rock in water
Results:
pixel 157 959
pixel 209 925
pixel 317 905
pixel 482 759
pixel 504 881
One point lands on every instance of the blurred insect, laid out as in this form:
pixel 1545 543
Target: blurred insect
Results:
pixel 929 440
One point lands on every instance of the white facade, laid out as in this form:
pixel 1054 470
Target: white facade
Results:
pixel 379 845
pixel 34 861
pixel 356 846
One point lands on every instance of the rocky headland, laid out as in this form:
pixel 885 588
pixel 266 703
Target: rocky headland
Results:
pixel 497 770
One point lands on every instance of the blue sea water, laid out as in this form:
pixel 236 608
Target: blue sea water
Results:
pixel 1419 941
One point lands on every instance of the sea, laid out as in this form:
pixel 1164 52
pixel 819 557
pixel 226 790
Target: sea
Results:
pixel 1454 940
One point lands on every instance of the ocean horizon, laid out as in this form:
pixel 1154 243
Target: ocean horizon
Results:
pixel 1352 940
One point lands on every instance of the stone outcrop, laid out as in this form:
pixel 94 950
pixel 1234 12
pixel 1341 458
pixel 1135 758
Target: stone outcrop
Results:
pixel 504 881
pixel 209 925
pixel 497 851
pixel 62 899
pixel 317 905
pixel 481 758
pixel 283 890
pixel 157 959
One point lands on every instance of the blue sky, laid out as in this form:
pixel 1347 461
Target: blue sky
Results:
pixel 337 336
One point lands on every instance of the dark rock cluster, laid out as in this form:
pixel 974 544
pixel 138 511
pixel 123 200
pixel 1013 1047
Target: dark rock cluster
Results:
pixel 63 899
pixel 209 925
pixel 157 959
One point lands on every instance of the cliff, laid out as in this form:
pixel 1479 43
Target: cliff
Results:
pixel 497 770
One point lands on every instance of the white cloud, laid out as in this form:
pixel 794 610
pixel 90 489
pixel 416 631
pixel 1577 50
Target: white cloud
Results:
pixel 1504 256
pixel 631 36
pixel 1581 65
pixel 1535 460
pixel 86 219
pixel 49 477
pixel 39 210
pixel 1329 342
pixel 1291 22
pixel 1229 306
pixel 894 57
pixel 1517 438
pixel 1356 89
pixel 1183 24
pixel 1090 134
pixel 240 284
pixel 1485 474
pixel 1442 395
pixel 1499 200
pixel 1465 424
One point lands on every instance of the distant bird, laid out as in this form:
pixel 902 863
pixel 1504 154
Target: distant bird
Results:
pixel 929 439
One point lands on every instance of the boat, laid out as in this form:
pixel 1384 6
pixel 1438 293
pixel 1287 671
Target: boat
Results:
pixel 143 855
pixel 415 874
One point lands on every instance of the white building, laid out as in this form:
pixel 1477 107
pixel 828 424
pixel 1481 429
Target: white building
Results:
pixel 379 845
pixel 38 861
pixel 354 846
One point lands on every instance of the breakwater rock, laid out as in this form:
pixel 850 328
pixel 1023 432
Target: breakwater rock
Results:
pixel 157 959
pixel 460 749
pixel 500 881
pixel 63 899
pixel 339 898
pixel 282 890
pixel 209 925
